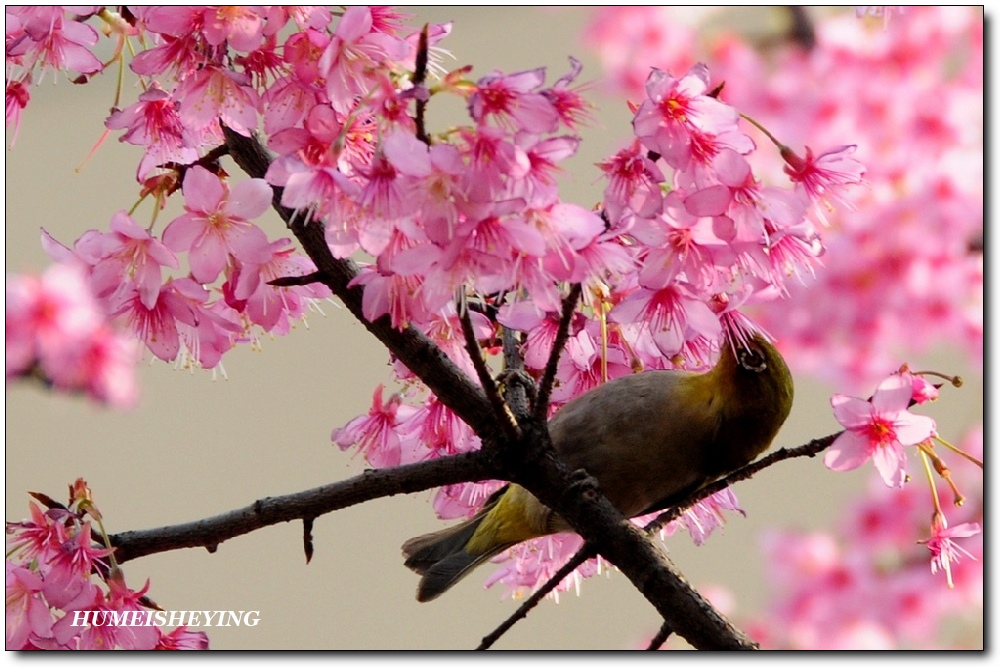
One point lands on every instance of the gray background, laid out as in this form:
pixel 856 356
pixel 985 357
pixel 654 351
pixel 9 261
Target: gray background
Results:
pixel 199 445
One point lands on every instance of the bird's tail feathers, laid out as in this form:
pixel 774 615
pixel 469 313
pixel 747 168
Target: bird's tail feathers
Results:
pixel 441 557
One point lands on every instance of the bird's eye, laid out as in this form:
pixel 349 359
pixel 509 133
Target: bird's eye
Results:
pixel 753 361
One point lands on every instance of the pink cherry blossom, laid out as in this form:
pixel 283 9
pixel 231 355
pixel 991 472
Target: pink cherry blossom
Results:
pixel 129 255
pixel 878 429
pixel 944 550
pixel 17 96
pixel 217 223
pixel 514 101
pixel 211 94
pixel 183 639
pixel 54 568
pixel 571 106
pixel 633 183
pixel 274 308
pixel 354 56
pixel 55 40
pixel 377 433
pixel 157 326
pixel 674 108
pixel 155 123
pixel 241 27
pixel 826 175
pixel 27 613
pixel 705 516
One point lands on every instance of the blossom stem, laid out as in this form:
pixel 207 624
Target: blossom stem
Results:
pixel 942 469
pixel 955 380
pixel 958 451
pixel 763 129
pixel 930 478
pixel 603 314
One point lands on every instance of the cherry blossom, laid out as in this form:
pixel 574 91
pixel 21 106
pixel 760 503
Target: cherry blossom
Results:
pixel 217 223
pixel 878 429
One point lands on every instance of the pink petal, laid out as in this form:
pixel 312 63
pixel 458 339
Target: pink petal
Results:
pixel 577 224
pixel 850 411
pixel 911 429
pixel 354 24
pixel 249 199
pixel 731 168
pixel 893 394
pixel 407 154
pixel 847 452
pixel 203 191
pixel 207 258
pixel 182 233
pixel 890 461
pixel 702 319
pixel 962 530
pixel 710 201
pixel 631 308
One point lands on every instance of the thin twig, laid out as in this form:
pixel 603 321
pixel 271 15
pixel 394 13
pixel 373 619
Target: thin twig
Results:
pixel 307 538
pixel 811 448
pixel 562 335
pixel 291 281
pixel 419 75
pixel 503 415
pixel 579 558
pixel 519 387
pixel 656 642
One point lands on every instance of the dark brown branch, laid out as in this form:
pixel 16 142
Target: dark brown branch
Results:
pixel 304 505
pixel 519 387
pixel 419 74
pixel 307 538
pixel 209 161
pixel 418 352
pixel 291 281
pixel 562 335
pixel 656 642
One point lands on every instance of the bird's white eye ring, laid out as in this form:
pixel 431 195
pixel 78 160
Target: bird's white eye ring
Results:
pixel 753 361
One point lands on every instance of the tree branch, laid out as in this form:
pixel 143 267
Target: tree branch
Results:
pixel 661 636
pixel 500 411
pixel 552 365
pixel 304 505
pixel 811 448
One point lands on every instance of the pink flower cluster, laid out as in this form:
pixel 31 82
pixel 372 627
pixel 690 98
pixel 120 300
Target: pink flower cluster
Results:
pixel 687 232
pixel 898 272
pixel 58 332
pixel 54 575
pixel 871 587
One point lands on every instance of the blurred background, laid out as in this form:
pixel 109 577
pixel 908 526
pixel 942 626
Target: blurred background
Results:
pixel 200 444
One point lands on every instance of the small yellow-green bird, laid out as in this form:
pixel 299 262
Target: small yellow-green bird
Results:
pixel 650 439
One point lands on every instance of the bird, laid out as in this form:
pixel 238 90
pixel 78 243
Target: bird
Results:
pixel 650 439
